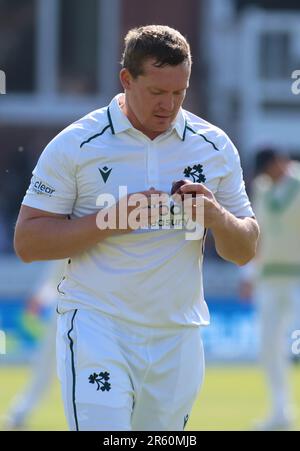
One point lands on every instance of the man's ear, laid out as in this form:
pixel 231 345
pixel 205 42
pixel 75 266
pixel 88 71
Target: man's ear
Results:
pixel 125 78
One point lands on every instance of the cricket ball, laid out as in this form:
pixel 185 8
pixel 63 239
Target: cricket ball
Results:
pixel 177 185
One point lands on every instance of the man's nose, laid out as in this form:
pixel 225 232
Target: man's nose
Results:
pixel 167 104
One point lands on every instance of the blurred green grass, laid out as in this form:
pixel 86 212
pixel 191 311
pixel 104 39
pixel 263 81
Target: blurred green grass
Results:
pixel 230 399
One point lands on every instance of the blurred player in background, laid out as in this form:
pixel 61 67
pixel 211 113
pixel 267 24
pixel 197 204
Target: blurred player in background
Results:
pixel 43 367
pixel 273 279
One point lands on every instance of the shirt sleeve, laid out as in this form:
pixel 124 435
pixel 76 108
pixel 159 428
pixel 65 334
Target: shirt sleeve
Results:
pixel 231 193
pixel 53 183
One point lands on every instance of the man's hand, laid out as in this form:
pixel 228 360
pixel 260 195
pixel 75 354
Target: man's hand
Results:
pixel 132 212
pixel 213 212
pixel 235 238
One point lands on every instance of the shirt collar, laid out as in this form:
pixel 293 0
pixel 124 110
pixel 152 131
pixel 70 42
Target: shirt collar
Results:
pixel 117 119
pixel 180 124
pixel 120 123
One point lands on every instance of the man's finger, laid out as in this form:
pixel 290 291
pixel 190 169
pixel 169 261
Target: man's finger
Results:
pixel 197 188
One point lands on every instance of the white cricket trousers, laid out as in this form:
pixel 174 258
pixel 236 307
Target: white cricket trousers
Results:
pixel 121 376
pixel 278 301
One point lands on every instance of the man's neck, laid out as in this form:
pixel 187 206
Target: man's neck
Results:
pixel 123 104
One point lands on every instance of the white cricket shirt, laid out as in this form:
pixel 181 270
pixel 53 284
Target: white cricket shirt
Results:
pixel 148 277
pixel 277 207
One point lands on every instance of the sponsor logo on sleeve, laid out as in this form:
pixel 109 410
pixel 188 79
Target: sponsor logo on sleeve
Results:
pixel 41 187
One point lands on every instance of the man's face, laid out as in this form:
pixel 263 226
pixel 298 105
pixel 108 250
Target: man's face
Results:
pixel 277 168
pixel 154 98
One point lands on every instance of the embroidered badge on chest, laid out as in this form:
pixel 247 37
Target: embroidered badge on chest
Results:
pixel 196 173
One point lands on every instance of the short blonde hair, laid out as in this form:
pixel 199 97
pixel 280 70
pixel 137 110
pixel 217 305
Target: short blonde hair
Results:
pixel 162 43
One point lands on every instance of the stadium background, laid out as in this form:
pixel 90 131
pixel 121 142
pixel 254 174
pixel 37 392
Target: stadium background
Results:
pixel 61 60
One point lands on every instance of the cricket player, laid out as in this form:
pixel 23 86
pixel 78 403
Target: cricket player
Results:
pixel 43 368
pixel 131 308
pixel 273 278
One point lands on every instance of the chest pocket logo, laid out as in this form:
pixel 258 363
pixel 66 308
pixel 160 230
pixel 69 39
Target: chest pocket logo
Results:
pixel 105 172
pixel 196 173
